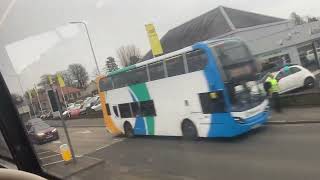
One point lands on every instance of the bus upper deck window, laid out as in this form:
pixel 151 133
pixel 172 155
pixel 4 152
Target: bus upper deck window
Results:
pixel 196 60
pixel 156 71
pixel 175 66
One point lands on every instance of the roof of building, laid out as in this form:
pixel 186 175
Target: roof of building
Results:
pixel 212 24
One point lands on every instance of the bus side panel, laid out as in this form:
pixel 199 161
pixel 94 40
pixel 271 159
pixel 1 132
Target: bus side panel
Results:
pixel 175 99
pixel 114 98
pixel 111 126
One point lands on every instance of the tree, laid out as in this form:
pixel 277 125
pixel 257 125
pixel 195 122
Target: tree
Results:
pixel 298 20
pixel 111 65
pixel 79 74
pixel 44 80
pixel 311 19
pixel 17 99
pixel 129 55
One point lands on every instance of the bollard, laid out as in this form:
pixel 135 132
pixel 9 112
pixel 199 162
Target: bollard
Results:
pixel 65 153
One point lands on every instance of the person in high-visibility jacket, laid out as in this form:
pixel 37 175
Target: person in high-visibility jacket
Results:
pixel 274 92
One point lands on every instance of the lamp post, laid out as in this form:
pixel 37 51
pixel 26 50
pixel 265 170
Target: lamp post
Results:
pixel 88 35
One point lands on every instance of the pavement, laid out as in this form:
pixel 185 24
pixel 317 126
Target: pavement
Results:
pixel 84 141
pixel 296 115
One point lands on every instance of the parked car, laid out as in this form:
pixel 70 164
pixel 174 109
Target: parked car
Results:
pixel 87 105
pixel 73 110
pixel 40 132
pixel 97 106
pixel 310 55
pixel 296 77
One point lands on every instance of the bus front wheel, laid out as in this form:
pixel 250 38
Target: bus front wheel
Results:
pixel 128 130
pixel 189 130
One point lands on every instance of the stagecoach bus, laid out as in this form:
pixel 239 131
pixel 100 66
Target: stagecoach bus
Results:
pixel 209 89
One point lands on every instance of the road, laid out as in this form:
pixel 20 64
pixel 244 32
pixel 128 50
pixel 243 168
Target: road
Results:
pixel 89 122
pixel 271 152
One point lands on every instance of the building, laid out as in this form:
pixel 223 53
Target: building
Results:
pixel 90 90
pixel 273 41
pixel 70 94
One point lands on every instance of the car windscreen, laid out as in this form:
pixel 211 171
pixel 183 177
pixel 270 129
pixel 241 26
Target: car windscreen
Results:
pixel 41 126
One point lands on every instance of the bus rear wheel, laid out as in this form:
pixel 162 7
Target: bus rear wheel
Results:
pixel 128 130
pixel 189 130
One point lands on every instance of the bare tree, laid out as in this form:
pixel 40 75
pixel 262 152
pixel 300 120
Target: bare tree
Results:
pixel 79 73
pixel 129 55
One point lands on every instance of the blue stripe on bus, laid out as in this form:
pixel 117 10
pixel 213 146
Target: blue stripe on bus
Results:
pixel 139 126
pixel 215 83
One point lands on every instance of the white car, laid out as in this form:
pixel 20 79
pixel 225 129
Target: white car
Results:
pixel 97 107
pixel 296 77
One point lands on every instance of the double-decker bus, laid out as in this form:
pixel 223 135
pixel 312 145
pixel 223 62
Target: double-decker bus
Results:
pixel 209 89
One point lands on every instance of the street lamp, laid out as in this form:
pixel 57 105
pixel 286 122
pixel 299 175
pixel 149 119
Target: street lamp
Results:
pixel 93 54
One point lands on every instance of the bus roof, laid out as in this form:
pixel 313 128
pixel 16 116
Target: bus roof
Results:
pixel 155 59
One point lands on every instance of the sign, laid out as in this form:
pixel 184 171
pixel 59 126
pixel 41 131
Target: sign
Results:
pixel 60 80
pixel 154 40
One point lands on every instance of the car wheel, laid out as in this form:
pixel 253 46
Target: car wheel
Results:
pixel 128 130
pixel 189 130
pixel 309 82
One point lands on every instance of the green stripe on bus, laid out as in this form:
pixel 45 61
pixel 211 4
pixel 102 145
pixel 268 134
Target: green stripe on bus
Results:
pixel 142 93
pixel 121 70
pixel 150 124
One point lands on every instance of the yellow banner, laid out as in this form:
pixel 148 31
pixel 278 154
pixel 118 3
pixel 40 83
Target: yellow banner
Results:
pixel 60 80
pixel 154 40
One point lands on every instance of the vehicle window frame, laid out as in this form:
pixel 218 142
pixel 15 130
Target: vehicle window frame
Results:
pixel 294 67
pixel 198 57
pixel 172 65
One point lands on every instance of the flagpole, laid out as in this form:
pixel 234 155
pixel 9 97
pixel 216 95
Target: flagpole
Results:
pixel 55 93
pixel 35 88
pixel 64 99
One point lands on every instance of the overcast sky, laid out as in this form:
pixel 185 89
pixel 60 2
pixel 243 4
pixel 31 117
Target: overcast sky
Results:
pixel 37 30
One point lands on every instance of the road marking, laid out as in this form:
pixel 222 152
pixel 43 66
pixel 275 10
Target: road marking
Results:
pixel 93 158
pixel 50 156
pixel 56 142
pixel 43 152
pixel 85 132
pixel 56 162
pixel 105 146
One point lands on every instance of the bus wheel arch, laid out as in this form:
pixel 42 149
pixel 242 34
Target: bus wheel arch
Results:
pixel 189 130
pixel 128 129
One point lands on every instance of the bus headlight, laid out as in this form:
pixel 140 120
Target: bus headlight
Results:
pixel 239 119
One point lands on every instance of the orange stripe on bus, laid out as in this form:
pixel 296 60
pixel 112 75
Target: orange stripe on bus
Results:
pixel 110 125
